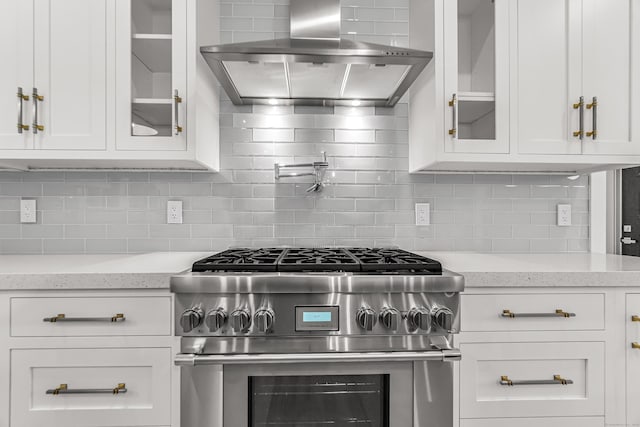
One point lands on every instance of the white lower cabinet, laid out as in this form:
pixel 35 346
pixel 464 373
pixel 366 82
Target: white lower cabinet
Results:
pixel 535 422
pixel 532 379
pixel 633 358
pixel 90 367
pixel 91 377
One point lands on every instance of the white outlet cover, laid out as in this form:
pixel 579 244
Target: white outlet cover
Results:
pixel 564 215
pixel 28 211
pixel 174 212
pixel 423 214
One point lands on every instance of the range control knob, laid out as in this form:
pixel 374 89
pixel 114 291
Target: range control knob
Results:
pixel 390 318
pixel 420 318
pixel 442 317
pixel 216 319
pixel 191 319
pixel 366 318
pixel 264 318
pixel 240 320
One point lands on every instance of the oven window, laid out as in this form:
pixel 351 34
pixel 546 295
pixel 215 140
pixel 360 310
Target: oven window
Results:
pixel 319 401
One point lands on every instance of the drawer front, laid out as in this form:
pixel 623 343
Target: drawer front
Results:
pixel 535 422
pixel 145 373
pixel 532 312
pixel 633 358
pixel 484 394
pixel 90 316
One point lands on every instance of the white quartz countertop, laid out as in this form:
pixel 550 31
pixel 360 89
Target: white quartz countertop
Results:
pixel 555 269
pixel 122 271
pixel 153 270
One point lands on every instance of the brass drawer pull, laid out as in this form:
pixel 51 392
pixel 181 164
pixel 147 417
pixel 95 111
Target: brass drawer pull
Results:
pixel 454 115
pixel 635 345
pixel 21 98
pixel 594 118
pixel 36 123
pixel 63 318
pixel 635 318
pixel 64 389
pixel 557 313
pixel 177 99
pixel 557 380
pixel 580 107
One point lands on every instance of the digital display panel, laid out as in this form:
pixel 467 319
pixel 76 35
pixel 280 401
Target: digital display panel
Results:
pixel 316 316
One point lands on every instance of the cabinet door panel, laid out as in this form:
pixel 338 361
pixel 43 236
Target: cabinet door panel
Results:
pixel 151 65
pixel 71 63
pixel 16 51
pixel 547 61
pixel 476 71
pixel 611 58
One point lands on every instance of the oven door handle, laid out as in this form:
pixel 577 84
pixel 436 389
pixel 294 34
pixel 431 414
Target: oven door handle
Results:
pixel 448 355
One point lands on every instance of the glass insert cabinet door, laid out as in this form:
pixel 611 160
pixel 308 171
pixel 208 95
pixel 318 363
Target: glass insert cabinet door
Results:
pixel 340 395
pixel 476 74
pixel 151 74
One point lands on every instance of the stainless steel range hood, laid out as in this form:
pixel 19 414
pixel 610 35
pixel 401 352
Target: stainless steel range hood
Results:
pixel 315 66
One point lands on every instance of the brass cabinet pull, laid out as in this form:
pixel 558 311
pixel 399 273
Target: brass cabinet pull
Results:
pixel 594 117
pixel 558 313
pixel 36 98
pixel 635 345
pixel 580 106
pixel 21 97
pixel 177 100
pixel 63 318
pixel 557 380
pixel 635 318
pixel 64 389
pixel 454 115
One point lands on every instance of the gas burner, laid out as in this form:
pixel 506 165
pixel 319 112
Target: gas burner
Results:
pixel 242 259
pixel 320 259
pixel 394 260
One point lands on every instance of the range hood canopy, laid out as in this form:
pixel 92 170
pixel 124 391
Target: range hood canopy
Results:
pixel 314 66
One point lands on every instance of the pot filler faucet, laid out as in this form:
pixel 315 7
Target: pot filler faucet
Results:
pixel 319 170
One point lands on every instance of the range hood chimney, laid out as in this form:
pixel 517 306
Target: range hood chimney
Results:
pixel 315 66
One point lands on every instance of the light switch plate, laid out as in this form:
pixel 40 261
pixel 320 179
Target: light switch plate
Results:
pixel 28 211
pixel 174 212
pixel 564 215
pixel 423 214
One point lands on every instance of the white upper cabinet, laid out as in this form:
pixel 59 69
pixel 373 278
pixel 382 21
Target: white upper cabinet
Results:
pixel 16 73
pixel 546 59
pixel 151 75
pixel 533 86
pixel 108 84
pixel 573 77
pixel 611 58
pixel 70 63
pixel 476 76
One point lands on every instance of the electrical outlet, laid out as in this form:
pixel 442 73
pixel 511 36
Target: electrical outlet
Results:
pixel 174 212
pixel 564 215
pixel 28 211
pixel 423 214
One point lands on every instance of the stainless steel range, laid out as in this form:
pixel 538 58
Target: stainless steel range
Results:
pixel 317 337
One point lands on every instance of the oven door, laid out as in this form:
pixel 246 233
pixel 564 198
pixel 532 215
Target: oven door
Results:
pixel 386 391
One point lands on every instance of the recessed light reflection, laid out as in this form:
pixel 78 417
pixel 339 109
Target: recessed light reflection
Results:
pixel 356 102
pixel 573 177
pixel 273 101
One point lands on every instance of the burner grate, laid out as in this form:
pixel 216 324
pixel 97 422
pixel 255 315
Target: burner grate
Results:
pixel 243 259
pixel 321 259
pixel 364 260
pixel 393 260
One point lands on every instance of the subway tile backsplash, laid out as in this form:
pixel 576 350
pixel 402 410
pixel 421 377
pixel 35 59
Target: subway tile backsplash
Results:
pixel 368 201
